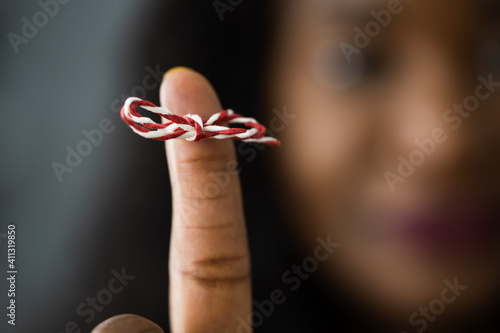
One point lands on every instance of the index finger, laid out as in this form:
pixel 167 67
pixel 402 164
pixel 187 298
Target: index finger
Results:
pixel 209 257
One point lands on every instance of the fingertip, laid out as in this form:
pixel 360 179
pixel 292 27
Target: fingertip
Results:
pixel 176 69
pixel 185 91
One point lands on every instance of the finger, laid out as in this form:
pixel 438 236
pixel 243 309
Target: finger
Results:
pixel 209 258
pixel 127 323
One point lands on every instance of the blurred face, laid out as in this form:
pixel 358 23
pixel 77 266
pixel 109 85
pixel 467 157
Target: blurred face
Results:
pixel 394 148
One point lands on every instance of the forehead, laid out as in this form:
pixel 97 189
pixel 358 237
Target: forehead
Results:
pixel 437 19
pixel 340 10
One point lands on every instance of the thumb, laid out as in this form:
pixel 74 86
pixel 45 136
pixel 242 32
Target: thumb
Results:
pixel 127 323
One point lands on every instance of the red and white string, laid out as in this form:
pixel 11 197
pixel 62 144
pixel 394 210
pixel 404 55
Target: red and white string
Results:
pixel 192 127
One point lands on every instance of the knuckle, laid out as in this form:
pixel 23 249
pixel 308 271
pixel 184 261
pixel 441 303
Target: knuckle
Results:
pixel 208 193
pixel 218 271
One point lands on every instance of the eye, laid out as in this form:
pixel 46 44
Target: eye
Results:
pixel 489 56
pixel 339 66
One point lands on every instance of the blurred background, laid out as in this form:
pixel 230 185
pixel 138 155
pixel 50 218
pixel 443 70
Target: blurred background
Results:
pixel 91 203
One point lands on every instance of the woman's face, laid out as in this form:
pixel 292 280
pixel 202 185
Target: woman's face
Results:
pixel 394 147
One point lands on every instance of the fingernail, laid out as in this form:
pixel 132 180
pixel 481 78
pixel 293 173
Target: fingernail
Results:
pixel 177 69
pixel 127 323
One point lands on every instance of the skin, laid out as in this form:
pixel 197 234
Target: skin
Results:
pixel 127 323
pixel 333 178
pixel 209 257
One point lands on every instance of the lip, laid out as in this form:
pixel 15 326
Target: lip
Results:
pixel 457 227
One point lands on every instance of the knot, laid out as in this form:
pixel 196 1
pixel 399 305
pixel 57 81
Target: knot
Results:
pixel 197 123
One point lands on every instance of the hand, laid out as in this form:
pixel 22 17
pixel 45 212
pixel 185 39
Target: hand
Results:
pixel 209 258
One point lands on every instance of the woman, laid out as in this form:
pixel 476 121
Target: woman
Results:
pixel 386 175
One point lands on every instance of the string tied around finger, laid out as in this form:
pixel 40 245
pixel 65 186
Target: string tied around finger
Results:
pixel 192 127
